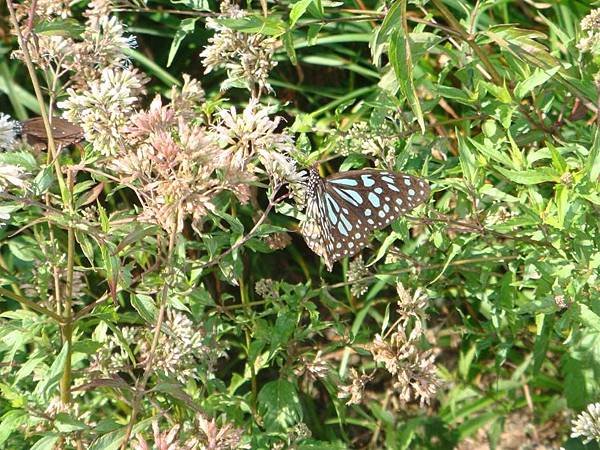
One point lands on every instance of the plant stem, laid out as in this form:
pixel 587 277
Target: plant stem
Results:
pixel 141 385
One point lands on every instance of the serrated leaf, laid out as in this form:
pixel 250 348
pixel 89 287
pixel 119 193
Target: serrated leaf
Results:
pixel 279 405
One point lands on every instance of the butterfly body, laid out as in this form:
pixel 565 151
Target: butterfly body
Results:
pixel 343 209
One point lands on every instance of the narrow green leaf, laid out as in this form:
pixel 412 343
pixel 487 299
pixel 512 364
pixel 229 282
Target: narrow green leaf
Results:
pixel 298 10
pixel 186 26
pixel 400 57
pixel 145 307
pixel 532 176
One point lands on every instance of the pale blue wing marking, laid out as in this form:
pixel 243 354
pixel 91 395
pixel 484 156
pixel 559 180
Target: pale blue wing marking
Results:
pixel 393 188
pixel 344 181
pixel 350 196
pixel 342 229
pixel 388 180
pixel 346 223
pixel 367 180
pixel 374 200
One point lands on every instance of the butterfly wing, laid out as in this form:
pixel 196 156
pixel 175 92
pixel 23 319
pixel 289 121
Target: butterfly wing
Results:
pixel 316 229
pixel 358 202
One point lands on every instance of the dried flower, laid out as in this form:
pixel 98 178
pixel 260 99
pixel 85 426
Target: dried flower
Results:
pixel 357 271
pixel 587 424
pixel 248 58
pixel 266 287
pixel 104 107
pixel 225 437
pixel 174 166
pixel 8 132
pixel 277 241
pixel 162 440
pixel 314 369
pixel 364 139
pixel 354 390
pixel 411 306
pixel 590 24
pixel 180 346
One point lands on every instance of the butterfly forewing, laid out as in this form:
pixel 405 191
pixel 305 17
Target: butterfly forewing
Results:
pixel 355 203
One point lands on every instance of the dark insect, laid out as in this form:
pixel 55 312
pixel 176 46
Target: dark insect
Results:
pixel 64 132
pixel 343 209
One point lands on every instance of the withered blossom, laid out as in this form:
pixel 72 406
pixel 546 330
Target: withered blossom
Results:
pixel 587 424
pixel 267 288
pixel 355 389
pixel 411 306
pixel 101 45
pixel 181 347
pixel 314 369
pixel 104 107
pixel 8 132
pixel 278 241
pixel 247 57
pixel 219 437
pixel 357 271
pixel 590 25
pixel 365 139
pixel 12 176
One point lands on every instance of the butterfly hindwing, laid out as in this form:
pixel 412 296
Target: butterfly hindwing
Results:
pixel 346 207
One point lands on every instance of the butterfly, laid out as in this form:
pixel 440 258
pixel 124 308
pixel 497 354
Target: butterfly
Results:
pixel 64 132
pixel 343 209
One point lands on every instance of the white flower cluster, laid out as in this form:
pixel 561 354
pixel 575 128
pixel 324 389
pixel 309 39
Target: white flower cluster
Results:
pixel 587 424
pixel 248 58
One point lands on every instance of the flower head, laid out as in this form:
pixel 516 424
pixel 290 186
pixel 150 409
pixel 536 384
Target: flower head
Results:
pixel 248 58
pixel 587 424
pixel 103 108
pixel 590 25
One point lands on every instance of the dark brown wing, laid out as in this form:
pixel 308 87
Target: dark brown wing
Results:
pixel 358 202
pixel 63 131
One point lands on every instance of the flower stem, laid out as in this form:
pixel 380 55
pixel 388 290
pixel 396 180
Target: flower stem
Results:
pixel 140 387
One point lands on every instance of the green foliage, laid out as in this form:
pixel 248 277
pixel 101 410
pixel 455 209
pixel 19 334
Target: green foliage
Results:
pixel 492 102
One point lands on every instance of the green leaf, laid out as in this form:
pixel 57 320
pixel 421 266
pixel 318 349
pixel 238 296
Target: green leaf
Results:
pixel 50 381
pixel 67 424
pixel 531 176
pixel 536 79
pixel 186 26
pixel 47 442
pixel 269 26
pixel 298 10
pixel 112 440
pixel 383 34
pixel 288 42
pixel 592 163
pixel 467 161
pixel 144 305
pixel 10 422
pixel 60 27
pixel 400 57
pixel 279 405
